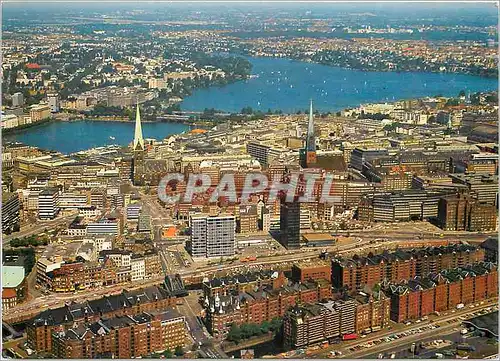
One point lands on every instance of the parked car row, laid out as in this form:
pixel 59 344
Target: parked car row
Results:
pixel 394 337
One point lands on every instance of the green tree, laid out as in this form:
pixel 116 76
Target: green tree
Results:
pixel 254 329
pixel 265 326
pixel 168 353
pixel 234 333
pixel 246 330
pixel 179 351
pixel 276 324
pixel 491 99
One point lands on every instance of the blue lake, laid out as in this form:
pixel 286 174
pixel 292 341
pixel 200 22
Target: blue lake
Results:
pixel 288 85
pixel 280 84
pixel 70 137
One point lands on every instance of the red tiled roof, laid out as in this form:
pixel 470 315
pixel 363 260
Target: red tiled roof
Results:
pixel 8 293
pixel 32 66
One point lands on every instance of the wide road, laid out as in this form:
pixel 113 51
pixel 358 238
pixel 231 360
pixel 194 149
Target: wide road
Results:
pixel 37 228
pixel 58 299
pixel 55 300
pixel 364 242
pixel 190 308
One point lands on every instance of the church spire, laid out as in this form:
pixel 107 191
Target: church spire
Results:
pixel 310 151
pixel 310 141
pixel 138 139
pixel 310 126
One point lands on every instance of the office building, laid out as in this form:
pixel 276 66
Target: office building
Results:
pixel 212 236
pixel 461 212
pixel 483 218
pixel 72 201
pixel 48 203
pixel 290 224
pixel 405 205
pixel 248 219
pixel 104 226
pixel 454 211
pixel 264 153
pixel 360 156
pixel 265 220
pixel 347 310
pixel 144 224
pixel 39 112
pixel 10 212
pixel 483 186
pixel 53 101
pixel 302 272
pixel 137 268
pixel 17 100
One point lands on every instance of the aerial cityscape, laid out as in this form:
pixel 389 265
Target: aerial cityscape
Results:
pixel 249 180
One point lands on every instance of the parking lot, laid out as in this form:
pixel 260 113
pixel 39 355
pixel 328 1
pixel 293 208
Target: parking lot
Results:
pixel 429 326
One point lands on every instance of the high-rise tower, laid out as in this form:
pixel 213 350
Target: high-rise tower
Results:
pixel 139 149
pixel 311 139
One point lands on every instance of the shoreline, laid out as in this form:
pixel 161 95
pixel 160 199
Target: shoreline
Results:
pixel 370 70
pixel 25 127
pixel 143 121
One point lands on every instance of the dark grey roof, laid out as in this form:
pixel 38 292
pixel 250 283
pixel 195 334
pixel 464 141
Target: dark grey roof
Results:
pixel 74 311
pixel 490 244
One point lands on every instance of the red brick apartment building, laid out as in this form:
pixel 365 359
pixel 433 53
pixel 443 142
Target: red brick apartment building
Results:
pixel 442 291
pixel 39 330
pixel 307 272
pixel 401 265
pixel 260 304
pixel 372 311
pixel 121 336
pixel 244 282
pixel 312 323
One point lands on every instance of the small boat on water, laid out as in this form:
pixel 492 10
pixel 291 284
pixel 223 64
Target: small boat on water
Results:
pixel 111 137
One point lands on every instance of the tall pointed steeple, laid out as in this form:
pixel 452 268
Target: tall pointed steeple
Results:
pixel 311 140
pixel 138 139
pixel 310 126
pixel 310 151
